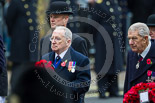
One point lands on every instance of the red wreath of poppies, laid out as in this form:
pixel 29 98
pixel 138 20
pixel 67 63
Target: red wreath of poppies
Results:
pixel 132 96
pixel 44 64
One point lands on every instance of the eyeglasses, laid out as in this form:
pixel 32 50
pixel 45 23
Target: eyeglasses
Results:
pixel 133 39
pixel 56 39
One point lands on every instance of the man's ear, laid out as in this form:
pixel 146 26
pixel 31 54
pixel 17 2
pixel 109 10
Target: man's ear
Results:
pixel 146 38
pixel 68 42
pixel 66 18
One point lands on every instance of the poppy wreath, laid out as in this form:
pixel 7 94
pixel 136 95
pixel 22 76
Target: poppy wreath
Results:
pixel 44 64
pixel 132 96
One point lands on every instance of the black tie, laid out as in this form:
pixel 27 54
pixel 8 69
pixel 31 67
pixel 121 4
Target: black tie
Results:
pixel 140 58
pixel 56 64
pixel 57 58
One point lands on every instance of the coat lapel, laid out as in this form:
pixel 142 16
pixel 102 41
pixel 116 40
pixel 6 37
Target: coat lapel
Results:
pixel 51 57
pixel 133 62
pixel 143 67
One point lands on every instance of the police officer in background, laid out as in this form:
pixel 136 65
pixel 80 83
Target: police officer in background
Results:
pixel 151 24
pixel 21 22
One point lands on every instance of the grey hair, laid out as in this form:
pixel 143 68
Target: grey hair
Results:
pixel 68 33
pixel 142 29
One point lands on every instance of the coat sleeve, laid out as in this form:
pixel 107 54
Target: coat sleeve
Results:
pixel 81 46
pixel 84 47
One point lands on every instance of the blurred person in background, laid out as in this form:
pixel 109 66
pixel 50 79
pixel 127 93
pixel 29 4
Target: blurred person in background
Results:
pixel 21 23
pixel 151 24
pixel 3 73
pixel 141 9
pixel 108 18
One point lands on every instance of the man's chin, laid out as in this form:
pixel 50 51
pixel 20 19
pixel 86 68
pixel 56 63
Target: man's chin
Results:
pixel 53 27
pixel 152 37
pixel 134 50
pixel 54 50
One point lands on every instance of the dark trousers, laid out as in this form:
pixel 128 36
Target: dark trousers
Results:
pixel 108 83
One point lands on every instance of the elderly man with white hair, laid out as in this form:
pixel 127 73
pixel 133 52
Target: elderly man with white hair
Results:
pixel 141 58
pixel 71 68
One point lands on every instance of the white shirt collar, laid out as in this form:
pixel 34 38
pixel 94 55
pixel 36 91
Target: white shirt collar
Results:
pixel 62 54
pixel 144 53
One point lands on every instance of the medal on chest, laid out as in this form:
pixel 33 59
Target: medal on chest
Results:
pixel 71 66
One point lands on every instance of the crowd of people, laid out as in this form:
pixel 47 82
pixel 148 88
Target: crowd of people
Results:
pixel 67 47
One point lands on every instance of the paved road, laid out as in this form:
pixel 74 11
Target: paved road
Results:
pixel 108 100
pixel 92 95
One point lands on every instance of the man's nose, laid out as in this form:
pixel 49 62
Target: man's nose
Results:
pixel 130 41
pixel 151 32
pixel 52 41
pixel 52 19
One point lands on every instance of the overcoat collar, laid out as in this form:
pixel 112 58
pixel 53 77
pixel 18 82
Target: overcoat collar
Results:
pixel 143 67
pixel 66 57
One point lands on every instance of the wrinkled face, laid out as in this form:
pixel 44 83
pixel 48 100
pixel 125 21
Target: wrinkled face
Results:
pixel 59 42
pixel 137 43
pixel 152 32
pixel 58 20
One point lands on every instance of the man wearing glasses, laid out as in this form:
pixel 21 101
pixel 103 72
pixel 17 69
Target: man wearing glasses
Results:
pixel 70 66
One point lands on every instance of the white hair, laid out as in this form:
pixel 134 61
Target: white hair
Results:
pixel 68 33
pixel 142 29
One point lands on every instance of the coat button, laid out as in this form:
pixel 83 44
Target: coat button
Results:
pixel 111 10
pixel 28 13
pixel 108 3
pixel 30 20
pixel 71 25
pixel 31 28
pixel 114 33
pixel 26 6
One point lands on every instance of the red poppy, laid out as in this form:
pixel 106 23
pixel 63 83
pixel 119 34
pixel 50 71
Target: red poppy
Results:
pixel 63 64
pixel 149 72
pixel 149 61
